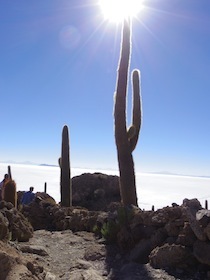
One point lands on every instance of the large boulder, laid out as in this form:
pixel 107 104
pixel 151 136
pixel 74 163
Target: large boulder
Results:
pixel 171 256
pixel 38 212
pixel 95 191
pixel 19 227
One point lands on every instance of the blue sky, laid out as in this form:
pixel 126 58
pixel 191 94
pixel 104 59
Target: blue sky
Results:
pixel 58 66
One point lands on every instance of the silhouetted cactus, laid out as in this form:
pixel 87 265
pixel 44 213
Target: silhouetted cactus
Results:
pixel 126 139
pixel 10 193
pixel 64 162
pixel 206 204
pixel 9 172
pixel 45 187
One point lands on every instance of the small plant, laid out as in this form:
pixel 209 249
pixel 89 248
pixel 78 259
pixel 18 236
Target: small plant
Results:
pixel 110 230
pixel 111 227
pixel 124 214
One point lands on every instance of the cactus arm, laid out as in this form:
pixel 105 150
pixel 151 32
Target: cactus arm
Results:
pixel 137 112
pixel 59 161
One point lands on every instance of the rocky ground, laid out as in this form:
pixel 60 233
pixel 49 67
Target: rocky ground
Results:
pixel 80 256
pixel 49 242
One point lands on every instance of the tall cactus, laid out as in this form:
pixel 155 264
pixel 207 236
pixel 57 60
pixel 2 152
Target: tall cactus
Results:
pixel 64 161
pixel 126 139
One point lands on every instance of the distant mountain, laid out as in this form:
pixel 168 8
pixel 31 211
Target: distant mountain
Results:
pixel 26 163
pixel 51 165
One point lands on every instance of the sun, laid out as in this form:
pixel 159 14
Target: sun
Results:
pixel 118 10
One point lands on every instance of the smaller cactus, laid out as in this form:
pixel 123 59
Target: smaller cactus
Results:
pixel 10 193
pixel 9 172
pixel 45 187
pixel 64 162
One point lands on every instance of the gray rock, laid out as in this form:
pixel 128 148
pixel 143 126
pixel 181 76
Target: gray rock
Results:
pixel 195 226
pixel 171 256
pixel 37 250
pixel 203 216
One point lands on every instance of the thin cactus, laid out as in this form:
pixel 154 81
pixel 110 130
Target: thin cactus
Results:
pixel 206 204
pixel 45 187
pixel 64 162
pixel 9 172
pixel 126 139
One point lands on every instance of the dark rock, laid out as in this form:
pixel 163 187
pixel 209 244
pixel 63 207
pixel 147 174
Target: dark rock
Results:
pixel 33 250
pixel 4 230
pixel 95 191
pixel 207 231
pixel 193 204
pixel 18 225
pixel 141 251
pixel 186 236
pixel 201 251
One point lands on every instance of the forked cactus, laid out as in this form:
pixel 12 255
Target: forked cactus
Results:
pixel 64 162
pixel 126 139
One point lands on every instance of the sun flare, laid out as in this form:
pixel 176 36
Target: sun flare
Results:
pixel 118 10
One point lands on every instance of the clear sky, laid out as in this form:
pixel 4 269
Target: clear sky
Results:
pixel 58 63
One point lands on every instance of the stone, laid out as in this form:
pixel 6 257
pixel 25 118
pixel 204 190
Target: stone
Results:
pixel 88 274
pixel 193 204
pixel 33 250
pixel 168 256
pixel 141 231
pixel 201 251
pixel 186 236
pixel 194 224
pixel 207 231
pixel 141 251
pixel 95 191
pixel 19 226
pixel 203 216
pixel 172 228
pixel 159 237
pixel 5 265
pixel 4 230
pixel 95 252
pixel 50 276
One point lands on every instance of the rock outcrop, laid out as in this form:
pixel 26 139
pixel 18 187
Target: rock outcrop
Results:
pixel 95 191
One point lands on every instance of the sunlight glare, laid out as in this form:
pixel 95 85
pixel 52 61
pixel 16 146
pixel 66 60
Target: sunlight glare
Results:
pixel 118 10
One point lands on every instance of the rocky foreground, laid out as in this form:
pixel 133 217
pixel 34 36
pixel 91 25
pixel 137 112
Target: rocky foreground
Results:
pixel 46 241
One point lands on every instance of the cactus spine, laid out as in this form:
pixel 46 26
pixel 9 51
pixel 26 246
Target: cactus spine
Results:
pixel 126 139
pixel 64 162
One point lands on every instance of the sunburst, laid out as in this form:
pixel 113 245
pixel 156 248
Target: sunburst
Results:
pixel 118 10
